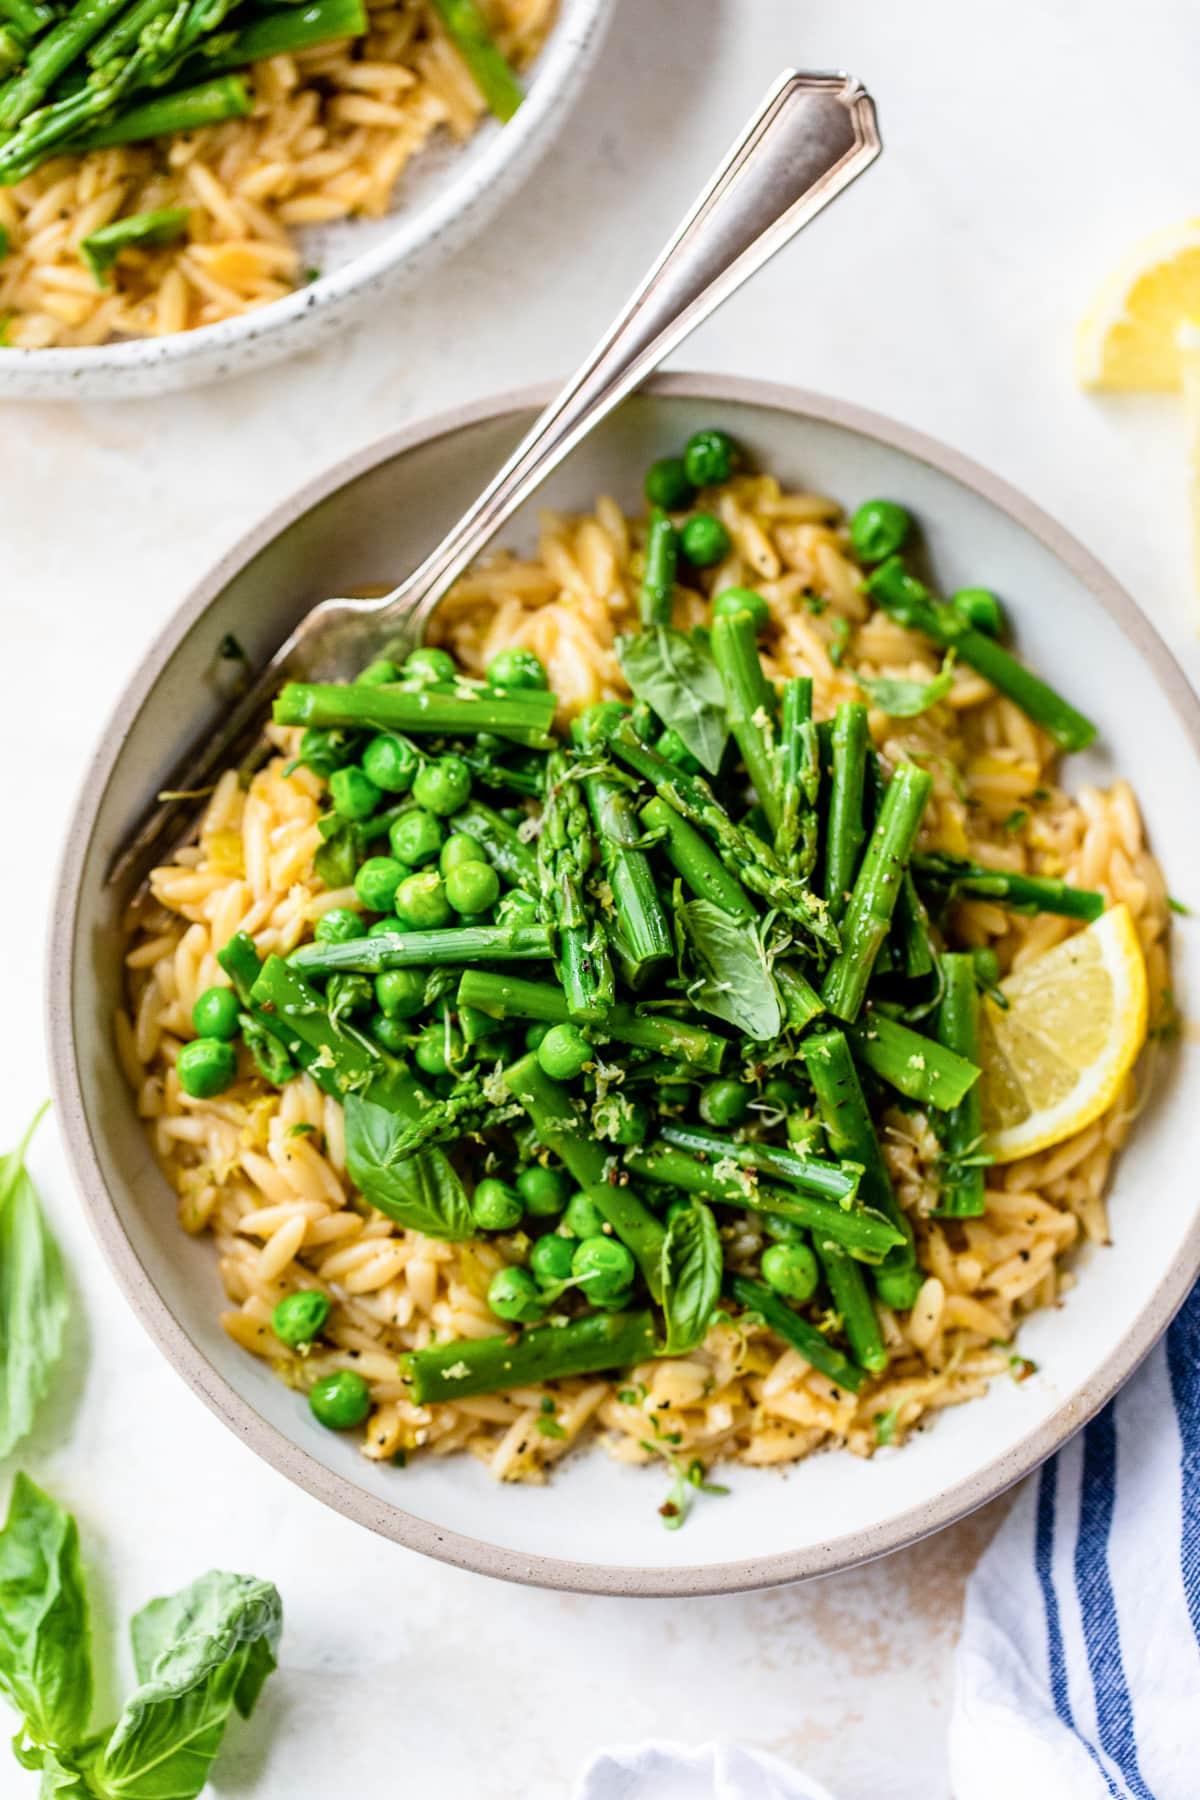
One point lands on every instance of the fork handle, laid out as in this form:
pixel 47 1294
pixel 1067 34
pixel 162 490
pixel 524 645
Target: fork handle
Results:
pixel 810 138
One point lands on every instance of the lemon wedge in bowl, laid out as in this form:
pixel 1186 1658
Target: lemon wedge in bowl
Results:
pixel 1129 338
pixel 1056 1057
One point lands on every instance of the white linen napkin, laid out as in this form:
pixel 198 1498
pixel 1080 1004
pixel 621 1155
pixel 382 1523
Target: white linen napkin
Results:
pixel 709 1772
pixel 1078 1669
pixel 1079 1662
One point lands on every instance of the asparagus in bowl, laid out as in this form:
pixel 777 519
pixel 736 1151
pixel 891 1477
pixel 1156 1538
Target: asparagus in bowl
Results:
pixel 630 1010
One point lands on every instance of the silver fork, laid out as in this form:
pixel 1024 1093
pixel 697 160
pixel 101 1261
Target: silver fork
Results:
pixel 810 138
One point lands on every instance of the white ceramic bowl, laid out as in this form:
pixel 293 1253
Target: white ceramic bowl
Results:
pixel 595 1526
pixel 446 195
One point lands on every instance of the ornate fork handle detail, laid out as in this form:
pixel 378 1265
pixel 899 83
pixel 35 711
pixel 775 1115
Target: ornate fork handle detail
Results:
pixel 810 138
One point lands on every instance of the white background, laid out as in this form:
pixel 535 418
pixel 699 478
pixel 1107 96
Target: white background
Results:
pixel 1027 144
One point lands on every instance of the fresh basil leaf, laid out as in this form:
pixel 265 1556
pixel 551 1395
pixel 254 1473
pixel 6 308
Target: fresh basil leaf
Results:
pixel 735 983
pixel 59 1780
pixel 422 1192
pixel 45 1653
pixel 677 677
pixel 33 1298
pixel 337 858
pixel 907 699
pixel 691 1275
pixel 199 1654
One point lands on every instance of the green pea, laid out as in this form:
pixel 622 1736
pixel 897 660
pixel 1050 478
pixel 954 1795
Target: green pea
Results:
pixel 782 1092
pixel 323 751
pixel 543 1190
pixel 460 848
pixel 583 1218
pixel 709 457
pixel 496 1206
pixel 385 927
pixel 298 1318
pixel 416 837
pixel 514 1294
pixel 667 484
pixel 878 529
pixel 443 786
pixel 353 793
pixel 379 673
pixel 805 1132
pixel 428 665
pixel 672 747
pixel 340 925
pixel 391 1033
pixel 738 600
pixel 613 1302
pixel 596 723
pixel 421 901
pixel 784 1231
pixel 704 541
pixel 377 881
pixel 391 763
pixel 516 908
pixel 550 1258
pixel 215 1013
pixel 341 1400
pixel 791 1270
pixel 724 1102
pixel 438 1049
pixel 472 887
pixel 536 1033
pixel 206 1067
pixel 674 1093
pixel 898 1288
pixel 980 609
pixel 517 669
pixel 400 993
pixel 564 1052
pixel 605 1265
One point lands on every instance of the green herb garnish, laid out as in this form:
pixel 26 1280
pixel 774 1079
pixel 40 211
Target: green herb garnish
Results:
pixel 199 1655
pixel 33 1297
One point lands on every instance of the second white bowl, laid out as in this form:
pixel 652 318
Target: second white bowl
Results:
pixel 449 193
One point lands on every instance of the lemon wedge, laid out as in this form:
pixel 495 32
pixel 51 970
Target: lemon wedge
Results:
pixel 1075 1021
pixel 1129 339
pixel 1189 351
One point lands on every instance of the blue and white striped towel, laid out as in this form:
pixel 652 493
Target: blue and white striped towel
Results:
pixel 1079 1665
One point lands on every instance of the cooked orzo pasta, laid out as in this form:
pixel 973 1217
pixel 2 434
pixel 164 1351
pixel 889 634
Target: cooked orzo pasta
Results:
pixel 772 1185
pixel 330 131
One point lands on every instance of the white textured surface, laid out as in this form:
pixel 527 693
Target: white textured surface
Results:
pixel 1024 151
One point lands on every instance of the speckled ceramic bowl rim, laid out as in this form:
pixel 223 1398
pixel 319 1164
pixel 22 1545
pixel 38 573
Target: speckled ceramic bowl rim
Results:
pixel 420 238
pixel 344 1496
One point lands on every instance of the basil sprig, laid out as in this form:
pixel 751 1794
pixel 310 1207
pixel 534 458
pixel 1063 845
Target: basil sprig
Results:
pixel 735 981
pixel 200 1655
pixel 33 1297
pixel 422 1192
pixel 676 676
pixel 691 1275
